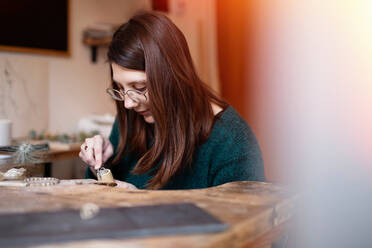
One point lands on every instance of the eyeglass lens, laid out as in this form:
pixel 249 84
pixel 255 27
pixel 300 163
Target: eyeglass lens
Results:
pixel 117 95
pixel 136 96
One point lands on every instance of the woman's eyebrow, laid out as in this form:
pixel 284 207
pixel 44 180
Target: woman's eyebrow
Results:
pixel 130 83
pixel 137 82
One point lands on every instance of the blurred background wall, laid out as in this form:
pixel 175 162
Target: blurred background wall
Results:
pixel 300 73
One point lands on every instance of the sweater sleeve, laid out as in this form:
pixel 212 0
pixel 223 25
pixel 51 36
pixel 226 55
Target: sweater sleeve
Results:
pixel 237 155
pixel 240 169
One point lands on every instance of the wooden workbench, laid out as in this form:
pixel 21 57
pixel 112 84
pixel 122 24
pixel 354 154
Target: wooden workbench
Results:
pixel 257 212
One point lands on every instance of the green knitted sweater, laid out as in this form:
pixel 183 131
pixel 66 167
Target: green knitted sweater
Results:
pixel 231 153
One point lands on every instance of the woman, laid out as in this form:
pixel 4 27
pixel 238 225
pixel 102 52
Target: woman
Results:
pixel 171 131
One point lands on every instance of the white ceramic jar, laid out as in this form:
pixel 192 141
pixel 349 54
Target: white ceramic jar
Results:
pixel 5 132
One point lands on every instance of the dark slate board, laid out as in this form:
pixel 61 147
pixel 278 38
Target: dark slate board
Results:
pixel 123 222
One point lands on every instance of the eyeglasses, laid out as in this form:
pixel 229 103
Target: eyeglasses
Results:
pixel 135 95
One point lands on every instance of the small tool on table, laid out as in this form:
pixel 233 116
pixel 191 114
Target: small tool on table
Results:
pixel 105 177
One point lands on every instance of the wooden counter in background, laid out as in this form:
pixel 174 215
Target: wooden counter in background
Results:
pixel 257 212
pixel 54 155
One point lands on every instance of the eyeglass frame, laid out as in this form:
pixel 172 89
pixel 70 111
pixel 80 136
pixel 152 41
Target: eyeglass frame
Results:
pixel 108 90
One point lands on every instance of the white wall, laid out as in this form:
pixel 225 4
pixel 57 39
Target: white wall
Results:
pixel 24 87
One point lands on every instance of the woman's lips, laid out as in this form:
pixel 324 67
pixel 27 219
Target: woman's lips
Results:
pixel 144 112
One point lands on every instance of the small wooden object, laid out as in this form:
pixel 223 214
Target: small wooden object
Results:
pixel 105 177
pixel 94 43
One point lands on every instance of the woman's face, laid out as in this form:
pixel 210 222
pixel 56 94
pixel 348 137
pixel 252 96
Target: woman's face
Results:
pixel 128 79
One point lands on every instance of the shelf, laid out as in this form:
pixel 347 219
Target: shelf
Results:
pixel 94 43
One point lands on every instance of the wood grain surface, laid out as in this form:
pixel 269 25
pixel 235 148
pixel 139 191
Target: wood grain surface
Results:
pixel 252 209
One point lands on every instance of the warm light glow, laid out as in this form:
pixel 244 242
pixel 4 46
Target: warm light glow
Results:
pixel 313 80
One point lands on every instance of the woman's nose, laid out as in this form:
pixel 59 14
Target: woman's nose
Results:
pixel 129 103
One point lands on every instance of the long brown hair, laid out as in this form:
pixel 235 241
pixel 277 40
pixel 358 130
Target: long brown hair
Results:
pixel 178 100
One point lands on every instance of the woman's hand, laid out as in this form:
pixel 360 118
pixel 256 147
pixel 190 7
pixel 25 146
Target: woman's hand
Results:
pixel 95 151
pixel 125 185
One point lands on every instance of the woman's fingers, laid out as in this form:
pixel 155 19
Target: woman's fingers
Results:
pixel 89 151
pixel 97 151
pixel 83 153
